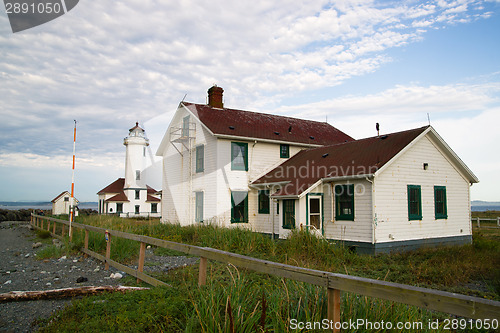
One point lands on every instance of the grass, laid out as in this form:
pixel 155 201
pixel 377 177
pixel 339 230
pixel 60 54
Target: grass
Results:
pixel 237 300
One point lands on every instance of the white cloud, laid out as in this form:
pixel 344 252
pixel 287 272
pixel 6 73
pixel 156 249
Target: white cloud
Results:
pixel 109 64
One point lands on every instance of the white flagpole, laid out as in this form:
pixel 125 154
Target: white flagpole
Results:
pixel 72 207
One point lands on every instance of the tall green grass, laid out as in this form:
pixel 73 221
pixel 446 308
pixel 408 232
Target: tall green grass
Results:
pixel 236 300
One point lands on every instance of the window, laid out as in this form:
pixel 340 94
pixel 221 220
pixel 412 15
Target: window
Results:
pixel 414 202
pixel 137 194
pixel 137 209
pixel 185 126
pixel 199 207
pixel 200 152
pixel 278 208
pixel 284 151
pixel 66 198
pixel 137 174
pixel 119 207
pixel 239 207
pixel 154 208
pixel 440 207
pixel 289 214
pixel 344 202
pixel 263 201
pixel 239 156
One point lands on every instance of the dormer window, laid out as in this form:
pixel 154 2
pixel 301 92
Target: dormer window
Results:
pixel 284 151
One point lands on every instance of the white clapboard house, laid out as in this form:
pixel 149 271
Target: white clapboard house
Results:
pixel 272 174
pixel 131 196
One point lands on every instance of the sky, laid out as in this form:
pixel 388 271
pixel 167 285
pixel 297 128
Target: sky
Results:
pixel 108 64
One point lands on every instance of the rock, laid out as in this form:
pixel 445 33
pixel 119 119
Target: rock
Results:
pixel 8 282
pixel 116 276
pixel 75 260
pixel 36 245
pixel 57 243
pixel 62 258
pixel 81 279
pixel 97 269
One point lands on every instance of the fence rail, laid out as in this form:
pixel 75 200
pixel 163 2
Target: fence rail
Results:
pixel 478 223
pixel 451 303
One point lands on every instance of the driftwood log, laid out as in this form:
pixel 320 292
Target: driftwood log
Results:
pixel 15 296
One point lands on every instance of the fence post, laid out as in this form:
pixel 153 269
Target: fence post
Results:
pixel 142 255
pixel 479 226
pixel 202 277
pixel 70 234
pixel 108 250
pixel 63 227
pixel 498 221
pixel 54 228
pixel 86 242
pixel 48 225
pixel 334 308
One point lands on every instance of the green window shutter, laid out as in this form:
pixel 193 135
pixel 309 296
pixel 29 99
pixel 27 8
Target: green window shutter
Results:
pixel 239 156
pixel 344 202
pixel 440 204
pixel 200 158
pixel 239 207
pixel 263 201
pixel 414 202
pixel 199 207
pixel 284 151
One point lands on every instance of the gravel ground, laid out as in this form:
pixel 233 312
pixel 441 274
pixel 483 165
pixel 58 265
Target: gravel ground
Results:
pixel 21 271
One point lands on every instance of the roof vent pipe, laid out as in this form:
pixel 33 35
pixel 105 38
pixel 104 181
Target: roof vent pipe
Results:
pixel 215 97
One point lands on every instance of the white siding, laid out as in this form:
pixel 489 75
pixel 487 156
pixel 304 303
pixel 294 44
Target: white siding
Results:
pixel 391 203
pixel 359 230
pixel 180 179
pixel 262 157
pixel 60 206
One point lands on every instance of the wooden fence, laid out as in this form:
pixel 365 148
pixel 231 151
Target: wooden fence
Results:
pixel 478 223
pixel 455 304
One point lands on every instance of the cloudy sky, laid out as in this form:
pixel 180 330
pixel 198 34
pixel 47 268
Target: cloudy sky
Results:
pixel 108 64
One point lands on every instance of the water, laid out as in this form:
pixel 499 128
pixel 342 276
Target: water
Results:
pixel 484 208
pixel 41 205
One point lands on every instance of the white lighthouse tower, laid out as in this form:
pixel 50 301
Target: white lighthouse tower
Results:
pixel 131 196
pixel 135 158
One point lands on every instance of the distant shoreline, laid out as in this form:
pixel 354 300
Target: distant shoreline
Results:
pixel 41 205
pixel 93 205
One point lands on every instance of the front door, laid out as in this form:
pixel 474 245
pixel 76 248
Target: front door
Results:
pixel 315 213
pixel 288 214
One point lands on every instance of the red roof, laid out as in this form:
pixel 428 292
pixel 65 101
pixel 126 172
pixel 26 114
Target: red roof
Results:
pixel 151 190
pixel 114 187
pixel 247 124
pixel 120 197
pixel 135 127
pixel 117 187
pixel 60 195
pixel 150 198
pixel 360 157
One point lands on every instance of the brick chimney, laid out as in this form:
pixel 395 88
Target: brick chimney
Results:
pixel 215 97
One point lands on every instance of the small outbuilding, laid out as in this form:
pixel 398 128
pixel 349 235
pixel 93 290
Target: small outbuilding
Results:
pixel 62 203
